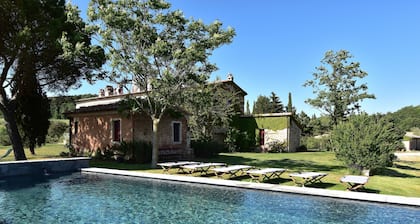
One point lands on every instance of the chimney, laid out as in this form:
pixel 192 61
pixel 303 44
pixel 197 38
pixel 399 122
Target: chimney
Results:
pixel 101 92
pixel 109 91
pixel 119 90
pixel 230 77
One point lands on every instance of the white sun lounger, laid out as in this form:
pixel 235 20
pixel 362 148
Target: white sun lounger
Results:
pixel 307 177
pixel 354 182
pixel 232 171
pixel 265 173
pixel 168 165
pixel 201 167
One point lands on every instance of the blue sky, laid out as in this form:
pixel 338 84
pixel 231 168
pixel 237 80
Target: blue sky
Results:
pixel 278 44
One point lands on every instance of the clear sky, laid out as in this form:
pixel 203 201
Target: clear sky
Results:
pixel 279 43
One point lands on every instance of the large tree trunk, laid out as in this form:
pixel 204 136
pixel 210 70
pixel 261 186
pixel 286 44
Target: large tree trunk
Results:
pixel 155 142
pixel 15 138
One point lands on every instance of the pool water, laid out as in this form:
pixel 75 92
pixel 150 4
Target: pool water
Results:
pixel 91 198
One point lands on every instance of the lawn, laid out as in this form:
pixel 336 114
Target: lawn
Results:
pixel 401 179
pixel 46 151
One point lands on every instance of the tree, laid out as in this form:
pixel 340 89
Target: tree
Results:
pixel 335 83
pixel 407 117
pixel 45 40
pixel 276 104
pixel 247 111
pixel 33 113
pixel 157 49
pixel 210 110
pixel 304 121
pixel 366 142
pixel 262 105
pixel 290 108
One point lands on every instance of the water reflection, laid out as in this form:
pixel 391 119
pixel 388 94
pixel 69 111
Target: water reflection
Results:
pixel 86 198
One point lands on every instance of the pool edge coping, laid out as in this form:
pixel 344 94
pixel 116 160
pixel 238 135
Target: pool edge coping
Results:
pixel 349 195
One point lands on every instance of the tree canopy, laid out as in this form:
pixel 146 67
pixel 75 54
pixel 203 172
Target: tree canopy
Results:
pixel 276 104
pixel 157 50
pixel 265 104
pixel 336 87
pixel 211 108
pixel 262 105
pixel 44 43
pixel 366 142
pixel 407 117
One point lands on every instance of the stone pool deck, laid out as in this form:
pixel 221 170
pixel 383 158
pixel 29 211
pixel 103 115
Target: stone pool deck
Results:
pixel 360 196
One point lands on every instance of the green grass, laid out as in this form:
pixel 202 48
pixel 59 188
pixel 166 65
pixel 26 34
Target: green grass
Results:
pixel 401 179
pixel 46 151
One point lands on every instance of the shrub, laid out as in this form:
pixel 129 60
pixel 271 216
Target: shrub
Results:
pixel 238 141
pixel 365 142
pixel 56 131
pixel 136 151
pixel 4 137
pixel 207 149
pixel 315 143
pixel 301 148
pixel 277 146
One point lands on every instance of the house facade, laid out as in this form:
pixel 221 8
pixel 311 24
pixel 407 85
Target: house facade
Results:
pixel 266 129
pixel 97 123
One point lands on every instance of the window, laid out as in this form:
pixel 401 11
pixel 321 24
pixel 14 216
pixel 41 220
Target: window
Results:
pixel 176 132
pixel 116 130
pixel 76 127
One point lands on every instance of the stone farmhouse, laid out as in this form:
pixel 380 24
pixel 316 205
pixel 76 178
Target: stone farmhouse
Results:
pixel 97 123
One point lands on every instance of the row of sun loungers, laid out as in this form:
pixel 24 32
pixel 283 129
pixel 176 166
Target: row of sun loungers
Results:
pixel 259 175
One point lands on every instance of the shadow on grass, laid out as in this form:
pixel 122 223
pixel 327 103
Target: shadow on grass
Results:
pixel 291 165
pixel 405 167
pixel 277 181
pixel 392 173
pixel 368 190
pixel 324 185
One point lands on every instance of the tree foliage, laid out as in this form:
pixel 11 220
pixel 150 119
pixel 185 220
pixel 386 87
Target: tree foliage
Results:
pixel 156 49
pixel 262 105
pixel 211 107
pixel 336 87
pixel 44 43
pixel 276 104
pixel 407 118
pixel 32 115
pixel 61 104
pixel 290 108
pixel 366 142
pixel 271 104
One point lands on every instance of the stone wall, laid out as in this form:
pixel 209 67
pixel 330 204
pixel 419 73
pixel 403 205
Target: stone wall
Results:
pixel 294 136
pixel 42 167
pixel 95 130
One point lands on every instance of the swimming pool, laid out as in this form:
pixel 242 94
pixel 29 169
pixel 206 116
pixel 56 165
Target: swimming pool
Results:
pixel 93 198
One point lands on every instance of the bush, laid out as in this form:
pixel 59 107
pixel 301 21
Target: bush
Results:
pixel 315 143
pixel 205 149
pixel 301 148
pixel 136 151
pixel 56 131
pixel 238 141
pixel 365 142
pixel 277 146
pixel 4 137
